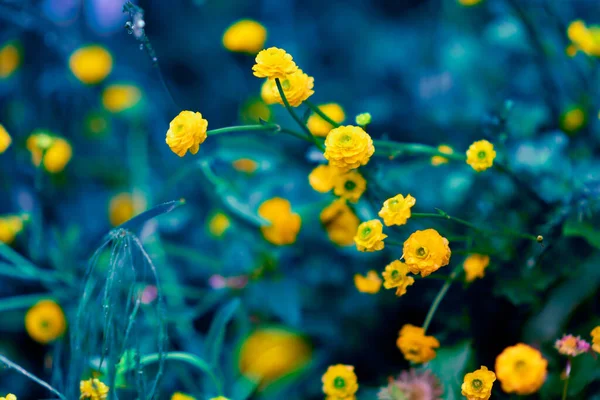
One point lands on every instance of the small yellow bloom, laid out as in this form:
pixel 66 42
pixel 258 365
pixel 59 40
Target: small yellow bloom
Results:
pixel 10 59
pixel 426 251
pixel 363 119
pixel 340 382
pixel 218 224
pixel 5 139
pixel 91 64
pixel 322 178
pixel 521 369
pixel 369 236
pixel 573 119
pixel 584 38
pixel 269 93
pixel 480 155
pixel 187 131
pixel 9 396
pixel 182 396
pixel 475 266
pixel 396 210
pixel 93 389
pixel 371 283
pixel 396 276
pixel 318 126
pixel 10 227
pixel 121 209
pixel 468 3
pixel 274 63
pixel 285 224
pixel 121 97
pixel 415 346
pixel 596 339
pixel 45 321
pixel 54 152
pixel 439 160
pixel 296 86
pixel 245 36
pixel 245 165
pixel 340 222
pixel 348 147
pixel 349 186
pixel 478 385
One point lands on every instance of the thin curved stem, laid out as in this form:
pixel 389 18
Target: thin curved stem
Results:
pixel 440 296
pixel 244 128
pixel 34 378
pixel 397 148
pixel 320 113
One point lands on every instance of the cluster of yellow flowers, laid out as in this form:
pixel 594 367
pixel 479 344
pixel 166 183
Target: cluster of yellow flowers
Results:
pixel 583 38
pixel 340 382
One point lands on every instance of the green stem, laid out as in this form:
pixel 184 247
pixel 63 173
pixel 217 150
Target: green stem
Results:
pixel 440 296
pixel 244 128
pixel 320 113
pixel 565 389
pixel 34 378
pixel 397 148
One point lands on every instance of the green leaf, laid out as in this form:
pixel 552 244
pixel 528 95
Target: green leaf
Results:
pixel 216 333
pixel 243 388
pixel 584 229
pixel 450 366
pixel 137 221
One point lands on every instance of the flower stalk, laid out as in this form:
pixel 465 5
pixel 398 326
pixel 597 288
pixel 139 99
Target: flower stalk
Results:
pixel 321 114
pixel 440 296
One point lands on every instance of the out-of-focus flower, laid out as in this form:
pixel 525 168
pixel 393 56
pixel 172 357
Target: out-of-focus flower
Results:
pixel 521 369
pixel 53 151
pixel 572 346
pixel 573 119
pixel 396 276
pixel 412 385
pixel 121 208
pixel 349 186
pixel 45 321
pixel 318 126
pixel 269 354
pixel 274 63
pixel 182 396
pixel 10 59
pixel 187 131
pixel 220 398
pixel 149 294
pixel 415 346
pixel 348 147
pixel 426 251
pixel 480 155
pixel 475 265
pixel 363 119
pixel 322 178
pixel 9 396
pixel 340 382
pixel 584 38
pixel 478 385
pixel 269 93
pixel 121 97
pixel 296 86
pixel 396 210
pixel 10 227
pixel 468 3
pixel 218 224
pixel 340 222
pixel 596 339
pixel 91 64
pixel 5 139
pixel 96 124
pixel 245 36
pixel 254 110
pixel 285 224
pixel 371 283
pixel 93 389
pixel 246 165
pixel 232 282
pixel 369 236
pixel 439 160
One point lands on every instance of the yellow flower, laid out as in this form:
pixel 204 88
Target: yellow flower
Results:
pixel 573 119
pixel 10 227
pixel 186 132
pixel 285 224
pixel 254 110
pixel 468 3
pixel 396 210
pixel 182 396
pixel 348 147
pixel 9 396
pixel 121 208
pixel 369 236
pixel 45 321
pixel 245 165
pixel 296 86
pixel 584 38
pixel 322 178
pixel 5 139
pixel 318 126
pixel 54 152
pixel 596 339
pixel 340 222
pixel 91 64
pixel 121 97
pixel 426 251
pixel 218 398
pixel 274 63
pixel 480 155
pixel 521 369
pixel 371 283
pixel 268 92
pixel 396 276
pixel 478 385
pixel 269 354
pixel 349 186
pixel 93 389
pixel 415 346
pixel 218 224
pixel 10 59
pixel 475 266
pixel 340 382
pixel 439 160
pixel 245 36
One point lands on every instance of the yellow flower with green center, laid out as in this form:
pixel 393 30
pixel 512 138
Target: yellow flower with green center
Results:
pixel 45 321
pixel 573 119
pixel 296 86
pixel 245 36
pixel 10 59
pixel 5 139
pixel 340 222
pixel 371 283
pixel 182 396
pixel 475 265
pixel 340 382
pixel 349 186
pixel 521 369
pixel 415 346
pixel 426 251
pixel 439 160
pixel 9 396
pixel 187 131
pixel 10 227
pixel 285 224
pixel 218 224
pixel 369 236
pixel 274 63
pixel 396 276
pixel 318 126
pixel 396 210
pixel 596 339
pixel 477 385
pixel 348 147
pixel 91 64
pixel 322 178
pixel 480 155
pixel 93 389
pixel 121 97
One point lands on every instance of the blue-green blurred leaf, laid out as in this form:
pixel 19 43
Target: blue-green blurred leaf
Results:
pixel 584 229
pixel 450 366
pixel 216 333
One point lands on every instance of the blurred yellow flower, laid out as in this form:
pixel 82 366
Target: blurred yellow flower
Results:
pixel 596 339
pixel 296 86
pixel 93 389
pixel 54 152
pixel 218 224
pixel 584 38
pixel 187 131
pixel 269 93
pixel 246 165
pixel 9 396
pixel 269 354
pixel 218 398
pixel 468 3
pixel 5 139
pixel 349 186
pixel 121 208
pixel 371 283
pixel 426 251
pixel 245 36
pixel 573 119
pixel 415 346
pixel 396 210
pixel 340 382
pixel 363 119
pixel 96 124
pixel 521 369
pixel 396 276
pixel 348 147
pixel 340 222
pixel 369 236
pixel 285 224
pixel 439 160
pixel 322 178
pixel 254 110
pixel 182 396
pixel 318 126
pixel 45 321
pixel 480 155
pixel 10 227
pixel 120 97
pixel 478 385
pixel 475 265
pixel 274 63
pixel 91 64
pixel 10 59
